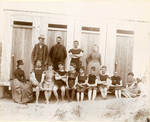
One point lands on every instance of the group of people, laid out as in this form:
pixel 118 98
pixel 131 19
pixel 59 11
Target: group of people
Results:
pixel 49 75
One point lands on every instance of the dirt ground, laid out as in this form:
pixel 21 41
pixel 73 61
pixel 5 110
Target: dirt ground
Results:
pixel 111 109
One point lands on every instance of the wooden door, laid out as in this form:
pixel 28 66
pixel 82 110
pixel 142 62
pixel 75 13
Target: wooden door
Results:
pixel 88 40
pixel 124 56
pixel 21 49
pixel 53 34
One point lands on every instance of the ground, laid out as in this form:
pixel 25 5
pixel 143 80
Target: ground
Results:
pixel 111 109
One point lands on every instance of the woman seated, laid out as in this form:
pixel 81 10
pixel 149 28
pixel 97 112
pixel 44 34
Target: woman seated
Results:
pixel 116 85
pixel 36 78
pixel 71 82
pixel 92 84
pixel 131 87
pixel 104 82
pixel 48 82
pixel 60 81
pixel 21 89
pixel 81 84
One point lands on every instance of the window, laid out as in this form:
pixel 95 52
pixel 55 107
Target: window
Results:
pixel 22 23
pixel 57 26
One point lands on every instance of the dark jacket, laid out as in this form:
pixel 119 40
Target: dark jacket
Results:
pixel 35 52
pixel 53 52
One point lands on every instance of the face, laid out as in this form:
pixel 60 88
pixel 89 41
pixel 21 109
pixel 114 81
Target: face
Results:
pixel 58 40
pixel 60 66
pixel 81 71
pixel 21 66
pixel 72 68
pixel 115 74
pixel 50 67
pixel 38 63
pixel 41 40
pixel 130 77
pixel 75 44
pixel 95 48
pixel 103 70
pixel 92 71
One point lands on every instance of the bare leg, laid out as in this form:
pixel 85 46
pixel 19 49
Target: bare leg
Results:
pixel 102 92
pixel 55 92
pixel 126 95
pixel 46 96
pixel 94 94
pixel 72 94
pixel 82 96
pixel 105 92
pixel 78 96
pixel 89 94
pixel 62 92
pixel 119 92
pixel 49 94
pixel 116 93
pixel 37 94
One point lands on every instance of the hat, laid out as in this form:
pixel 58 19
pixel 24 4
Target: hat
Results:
pixel 41 36
pixel 20 62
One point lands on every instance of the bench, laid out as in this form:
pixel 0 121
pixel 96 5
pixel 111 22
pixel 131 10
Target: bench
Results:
pixel 6 84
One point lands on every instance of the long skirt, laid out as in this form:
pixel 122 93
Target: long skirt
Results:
pixel 131 91
pixel 21 92
pixel 96 65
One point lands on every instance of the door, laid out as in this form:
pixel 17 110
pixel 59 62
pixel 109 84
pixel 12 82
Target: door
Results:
pixel 124 56
pixel 21 49
pixel 87 43
pixel 55 30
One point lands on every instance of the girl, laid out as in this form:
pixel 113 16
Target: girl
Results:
pixel 71 82
pixel 104 82
pixel 81 84
pixel 92 84
pixel 48 82
pixel 132 88
pixel 36 78
pixel 116 85
pixel 60 81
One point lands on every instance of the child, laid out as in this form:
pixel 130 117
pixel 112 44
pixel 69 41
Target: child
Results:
pixel 92 84
pixel 116 85
pixel 36 78
pixel 104 82
pixel 60 81
pixel 48 82
pixel 81 84
pixel 71 82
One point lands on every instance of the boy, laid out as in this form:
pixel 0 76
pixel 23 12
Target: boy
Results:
pixel 36 78
pixel 48 82
pixel 116 85
pixel 81 84
pixel 60 81
pixel 71 82
pixel 92 84
pixel 104 82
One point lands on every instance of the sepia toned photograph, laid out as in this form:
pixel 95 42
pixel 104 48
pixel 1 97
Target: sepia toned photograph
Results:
pixel 75 60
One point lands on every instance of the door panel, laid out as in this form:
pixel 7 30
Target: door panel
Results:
pixel 21 49
pixel 53 34
pixel 87 42
pixel 124 56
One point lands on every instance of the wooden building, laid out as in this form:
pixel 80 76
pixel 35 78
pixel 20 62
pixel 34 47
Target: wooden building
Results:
pixel 120 40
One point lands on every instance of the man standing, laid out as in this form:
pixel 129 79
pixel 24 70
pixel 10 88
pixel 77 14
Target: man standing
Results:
pixel 75 55
pixel 58 53
pixel 40 52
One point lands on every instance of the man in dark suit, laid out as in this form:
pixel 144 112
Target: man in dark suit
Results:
pixel 58 53
pixel 40 52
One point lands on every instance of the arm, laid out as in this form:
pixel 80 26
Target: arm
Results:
pixel 17 76
pixel 120 83
pixel 33 75
pixel 43 77
pixel 100 59
pixel 65 53
pixel 51 52
pixel 33 54
pixel 76 81
pixel 88 58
